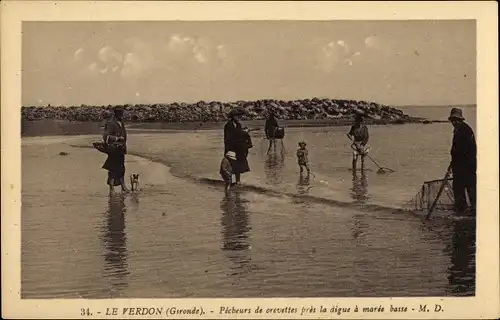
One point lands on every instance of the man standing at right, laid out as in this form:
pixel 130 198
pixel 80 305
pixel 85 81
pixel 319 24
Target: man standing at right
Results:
pixel 463 162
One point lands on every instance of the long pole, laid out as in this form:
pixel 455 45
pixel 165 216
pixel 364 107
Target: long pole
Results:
pixel 368 156
pixel 375 162
pixel 443 184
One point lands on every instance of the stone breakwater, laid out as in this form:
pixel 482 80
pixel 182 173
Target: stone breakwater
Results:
pixel 306 109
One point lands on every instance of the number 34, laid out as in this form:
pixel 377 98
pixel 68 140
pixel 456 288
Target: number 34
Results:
pixel 85 312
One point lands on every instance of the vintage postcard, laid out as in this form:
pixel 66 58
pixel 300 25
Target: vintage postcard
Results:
pixel 249 160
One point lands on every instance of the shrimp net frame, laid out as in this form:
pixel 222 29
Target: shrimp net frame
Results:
pixel 428 193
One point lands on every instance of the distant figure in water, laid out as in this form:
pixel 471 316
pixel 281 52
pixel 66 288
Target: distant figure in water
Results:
pixel 302 158
pixel 238 140
pixel 115 136
pixel 270 128
pixel 226 168
pixel 359 136
pixel 463 162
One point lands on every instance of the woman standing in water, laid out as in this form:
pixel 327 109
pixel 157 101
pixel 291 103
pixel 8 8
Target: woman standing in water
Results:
pixel 115 137
pixel 270 127
pixel 237 140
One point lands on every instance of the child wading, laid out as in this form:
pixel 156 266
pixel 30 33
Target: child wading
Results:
pixel 359 136
pixel 226 168
pixel 302 157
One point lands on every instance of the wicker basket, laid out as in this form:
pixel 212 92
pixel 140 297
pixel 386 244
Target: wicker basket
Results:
pixel 108 148
pixel 279 133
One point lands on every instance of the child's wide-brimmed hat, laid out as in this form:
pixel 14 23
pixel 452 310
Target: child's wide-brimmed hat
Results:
pixel 302 143
pixel 231 155
pixel 456 113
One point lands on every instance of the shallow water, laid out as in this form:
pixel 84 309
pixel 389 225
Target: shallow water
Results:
pixel 340 235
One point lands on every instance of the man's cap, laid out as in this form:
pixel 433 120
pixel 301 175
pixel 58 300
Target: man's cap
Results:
pixel 456 113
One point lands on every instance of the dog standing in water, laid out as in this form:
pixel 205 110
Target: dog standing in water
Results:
pixel 134 181
pixel 302 157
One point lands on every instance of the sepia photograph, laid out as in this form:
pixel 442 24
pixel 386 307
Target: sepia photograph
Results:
pixel 250 158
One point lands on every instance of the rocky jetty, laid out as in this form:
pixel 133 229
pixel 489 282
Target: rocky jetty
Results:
pixel 307 109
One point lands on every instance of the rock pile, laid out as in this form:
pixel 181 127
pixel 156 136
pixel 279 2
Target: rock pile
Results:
pixel 306 109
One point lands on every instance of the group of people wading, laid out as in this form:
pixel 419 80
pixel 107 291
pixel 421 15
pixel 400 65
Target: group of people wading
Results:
pixel 237 142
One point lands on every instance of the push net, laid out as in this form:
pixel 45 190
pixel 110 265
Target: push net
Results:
pixel 424 199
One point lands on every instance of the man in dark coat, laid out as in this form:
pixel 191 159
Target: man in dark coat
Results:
pixel 115 136
pixel 237 140
pixel 463 162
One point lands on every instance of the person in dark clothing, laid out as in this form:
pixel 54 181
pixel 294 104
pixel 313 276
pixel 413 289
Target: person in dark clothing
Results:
pixel 238 140
pixel 270 128
pixel 463 162
pixel 247 140
pixel 115 137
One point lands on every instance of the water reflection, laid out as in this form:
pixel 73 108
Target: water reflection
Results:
pixel 235 231
pixel 273 167
pixel 359 190
pixel 303 184
pixel 359 193
pixel 462 272
pixel 115 243
pixel 134 201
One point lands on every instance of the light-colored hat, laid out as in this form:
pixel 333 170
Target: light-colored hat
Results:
pixel 456 113
pixel 231 155
pixel 302 143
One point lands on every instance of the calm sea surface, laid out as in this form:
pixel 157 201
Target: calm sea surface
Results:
pixel 338 235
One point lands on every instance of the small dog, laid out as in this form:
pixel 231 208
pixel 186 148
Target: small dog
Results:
pixel 134 181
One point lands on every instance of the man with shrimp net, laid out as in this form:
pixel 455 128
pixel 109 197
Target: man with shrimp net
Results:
pixel 359 136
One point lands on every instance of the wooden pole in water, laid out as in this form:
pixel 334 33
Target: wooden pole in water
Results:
pixel 422 196
pixel 443 184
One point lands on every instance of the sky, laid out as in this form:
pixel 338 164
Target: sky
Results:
pixel 398 63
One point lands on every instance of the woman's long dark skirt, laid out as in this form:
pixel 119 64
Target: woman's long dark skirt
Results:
pixel 115 164
pixel 241 163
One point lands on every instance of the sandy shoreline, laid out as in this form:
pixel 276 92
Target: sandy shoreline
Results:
pixel 69 146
